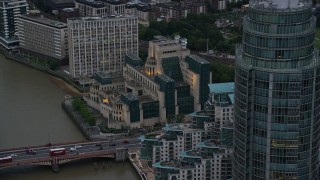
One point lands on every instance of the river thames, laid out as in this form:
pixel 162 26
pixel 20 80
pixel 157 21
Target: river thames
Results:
pixel 31 114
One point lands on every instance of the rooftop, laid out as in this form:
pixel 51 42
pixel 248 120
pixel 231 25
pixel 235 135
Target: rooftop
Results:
pixel 200 114
pixel 198 59
pixel 130 96
pixel 109 17
pixel 61 1
pixel 165 78
pixel 191 153
pixel 149 137
pixel 166 164
pixel 145 98
pixel 222 87
pixel 37 18
pixel 180 127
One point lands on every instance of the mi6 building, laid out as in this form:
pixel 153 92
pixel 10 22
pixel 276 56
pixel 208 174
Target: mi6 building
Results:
pixel 277 83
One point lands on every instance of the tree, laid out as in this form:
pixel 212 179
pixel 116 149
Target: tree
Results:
pixel 170 118
pixel 80 106
pixel 53 65
pixel 180 118
pixel 150 33
pixel 222 73
pixel 77 104
pixel 160 26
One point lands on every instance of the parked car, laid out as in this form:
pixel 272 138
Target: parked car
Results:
pixel 73 149
pixel 98 144
pixel 113 144
pixel 100 148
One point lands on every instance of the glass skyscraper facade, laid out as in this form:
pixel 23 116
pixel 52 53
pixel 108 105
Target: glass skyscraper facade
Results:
pixel 277 97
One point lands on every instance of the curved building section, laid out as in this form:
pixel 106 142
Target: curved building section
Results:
pixel 276 125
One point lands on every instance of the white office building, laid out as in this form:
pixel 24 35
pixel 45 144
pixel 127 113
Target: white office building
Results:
pixel 99 44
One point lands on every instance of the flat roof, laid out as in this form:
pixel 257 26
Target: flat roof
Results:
pixel 62 1
pixel 45 21
pixel 97 18
pixel 180 127
pixel 198 59
pixel 221 87
pixel 145 98
pixel 165 78
pixel 166 165
pixel 200 114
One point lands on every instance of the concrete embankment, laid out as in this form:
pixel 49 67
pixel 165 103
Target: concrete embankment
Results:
pixel 71 87
pixel 76 118
pixel 142 168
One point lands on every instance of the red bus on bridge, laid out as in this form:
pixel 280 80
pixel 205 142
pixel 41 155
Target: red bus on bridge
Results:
pixel 57 151
pixel 5 159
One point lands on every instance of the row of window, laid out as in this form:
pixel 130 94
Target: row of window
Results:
pixel 276 42
pixel 279 54
pixel 280 18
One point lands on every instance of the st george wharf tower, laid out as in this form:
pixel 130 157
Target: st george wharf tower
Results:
pixel 277 93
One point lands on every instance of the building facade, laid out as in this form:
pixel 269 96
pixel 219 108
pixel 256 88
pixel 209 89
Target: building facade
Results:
pixel 42 36
pixel 9 11
pixel 201 149
pixel 178 10
pixel 101 8
pixel 99 44
pixel 208 161
pixel 168 146
pixel 276 111
pixel 171 82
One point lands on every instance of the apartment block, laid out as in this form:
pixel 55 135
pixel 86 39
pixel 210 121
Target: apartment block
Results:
pixel 206 152
pixel 168 146
pixel 10 10
pixel 209 160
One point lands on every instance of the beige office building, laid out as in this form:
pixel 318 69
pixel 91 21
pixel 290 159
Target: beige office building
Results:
pixel 42 37
pixel 99 44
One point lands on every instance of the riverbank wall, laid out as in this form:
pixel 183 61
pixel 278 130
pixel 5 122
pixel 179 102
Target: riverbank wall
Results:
pixel 134 164
pixel 76 118
pixel 144 171
pixel 17 57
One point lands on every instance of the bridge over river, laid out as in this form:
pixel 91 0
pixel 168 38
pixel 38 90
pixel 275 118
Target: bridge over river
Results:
pixel 54 155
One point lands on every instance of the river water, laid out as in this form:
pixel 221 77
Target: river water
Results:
pixel 31 114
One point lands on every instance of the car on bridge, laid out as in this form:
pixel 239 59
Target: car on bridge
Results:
pixel 13 155
pixel 76 147
pixel 31 151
